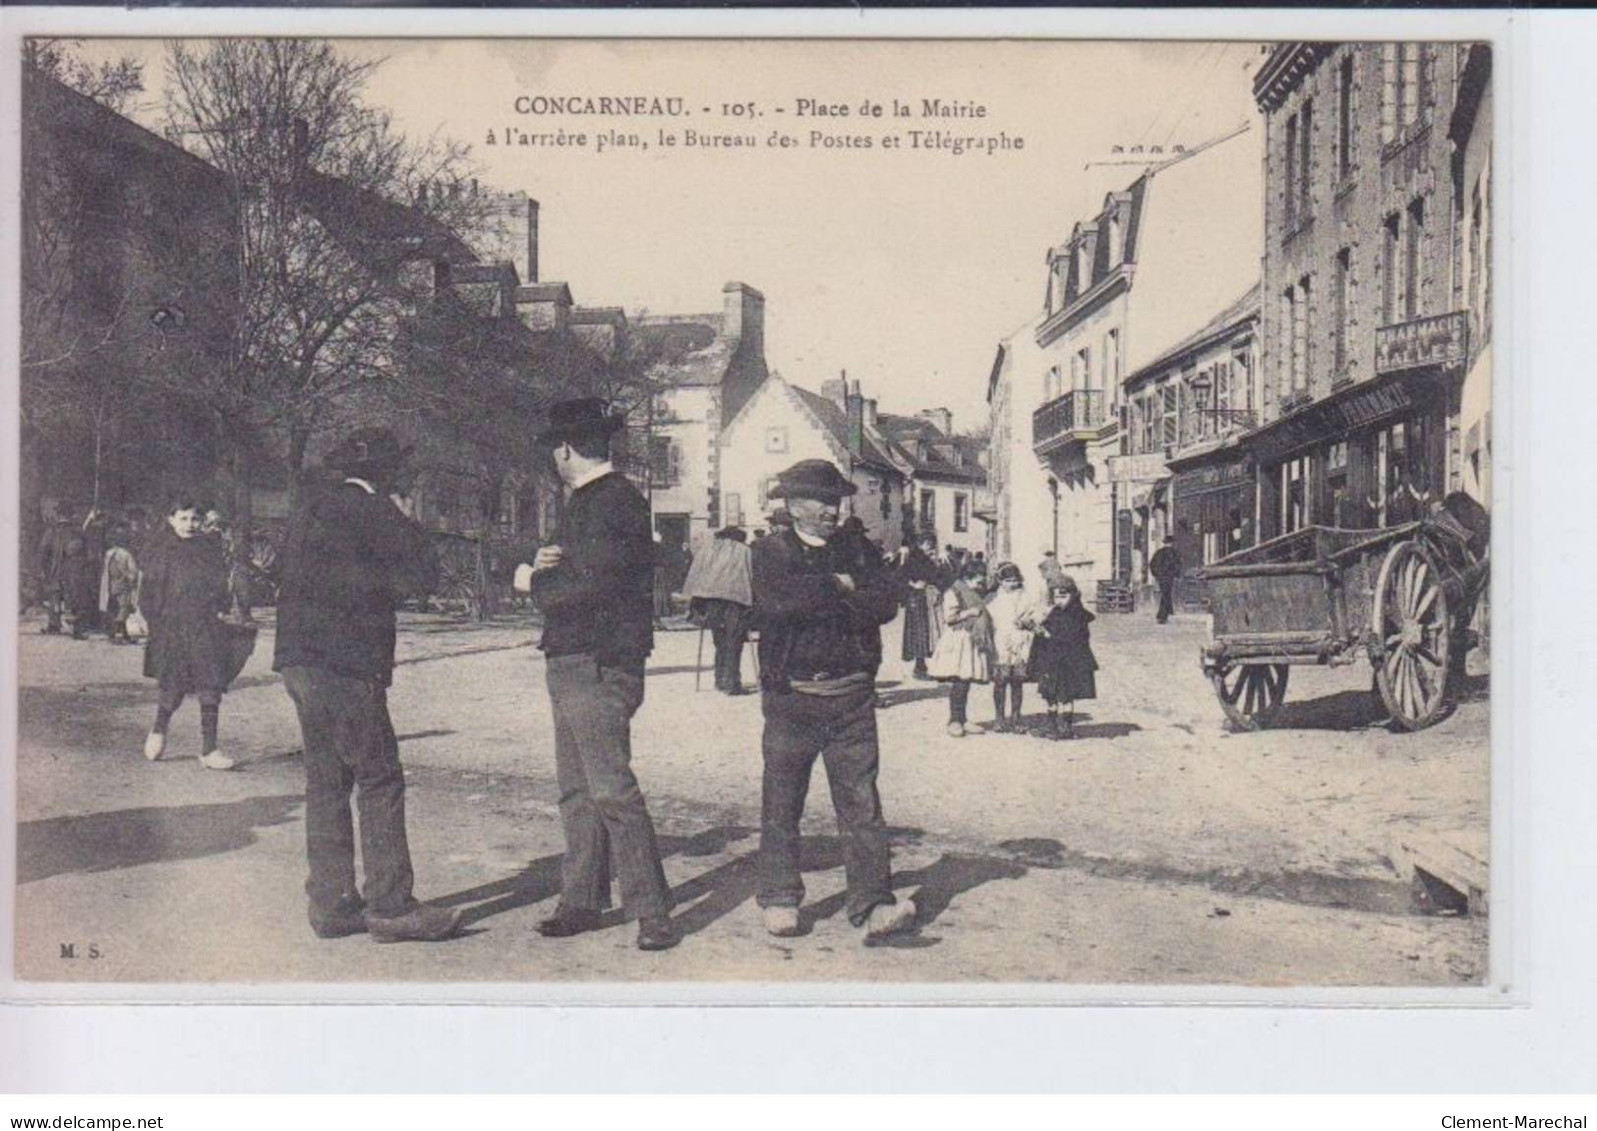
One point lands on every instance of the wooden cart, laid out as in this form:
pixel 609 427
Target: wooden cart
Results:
pixel 1401 596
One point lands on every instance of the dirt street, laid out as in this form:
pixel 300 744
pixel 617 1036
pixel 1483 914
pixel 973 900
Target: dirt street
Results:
pixel 1155 847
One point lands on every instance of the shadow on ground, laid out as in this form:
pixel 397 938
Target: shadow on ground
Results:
pixel 125 838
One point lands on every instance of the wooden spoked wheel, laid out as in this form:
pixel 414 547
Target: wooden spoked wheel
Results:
pixel 1251 694
pixel 1410 616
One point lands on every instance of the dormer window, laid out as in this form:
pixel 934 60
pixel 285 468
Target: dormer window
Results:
pixel 1116 240
pixel 1083 266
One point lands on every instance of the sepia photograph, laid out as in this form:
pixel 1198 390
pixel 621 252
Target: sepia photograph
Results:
pixel 755 512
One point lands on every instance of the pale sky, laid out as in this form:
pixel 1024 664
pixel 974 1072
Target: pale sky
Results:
pixel 903 267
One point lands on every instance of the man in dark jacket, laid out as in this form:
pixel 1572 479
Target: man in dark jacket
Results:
pixel 820 605
pixel 595 588
pixel 1166 569
pixel 351 555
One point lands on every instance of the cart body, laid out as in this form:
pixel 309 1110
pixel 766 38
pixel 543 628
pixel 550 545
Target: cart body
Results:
pixel 1398 596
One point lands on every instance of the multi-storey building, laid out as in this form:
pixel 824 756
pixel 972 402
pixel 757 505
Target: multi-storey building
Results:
pixel 1471 132
pixel 1145 272
pixel 1017 480
pixel 946 476
pixel 1364 331
pixel 708 366
pixel 1185 413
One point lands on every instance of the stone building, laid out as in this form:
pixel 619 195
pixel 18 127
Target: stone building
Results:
pixel 781 424
pixel 707 366
pixel 1471 132
pixel 1185 413
pixel 126 243
pixel 1364 327
pixel 1147 270
pixel 946 476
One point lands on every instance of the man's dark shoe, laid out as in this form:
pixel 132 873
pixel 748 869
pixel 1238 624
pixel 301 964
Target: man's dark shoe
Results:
pixel 656 932
pixel 568 921
pixel 422 923
pixel 338 924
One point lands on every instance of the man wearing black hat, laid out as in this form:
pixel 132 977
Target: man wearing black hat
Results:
pixel 1166 569
pixel 820 605
pixel 596 591
pixel 350 556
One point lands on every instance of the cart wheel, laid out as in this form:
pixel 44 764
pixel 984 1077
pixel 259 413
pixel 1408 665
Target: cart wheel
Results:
pixel 1411 616
pixel 1251 694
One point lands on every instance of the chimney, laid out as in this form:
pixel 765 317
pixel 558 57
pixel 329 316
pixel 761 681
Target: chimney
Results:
pixel 530 274
pixel 836 390
pixel 870 414
pixel 941 417
pixel 745 316
pixel 854 406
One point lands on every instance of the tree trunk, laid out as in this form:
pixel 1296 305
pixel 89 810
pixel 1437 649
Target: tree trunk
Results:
pixel 299 438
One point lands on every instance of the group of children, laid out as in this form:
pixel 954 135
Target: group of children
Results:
pixel 1008 639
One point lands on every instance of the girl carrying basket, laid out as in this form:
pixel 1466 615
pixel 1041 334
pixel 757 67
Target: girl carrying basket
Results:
pixel 964 652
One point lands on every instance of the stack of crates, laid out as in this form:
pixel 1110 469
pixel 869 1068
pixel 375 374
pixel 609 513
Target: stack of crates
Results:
pixel 1115 596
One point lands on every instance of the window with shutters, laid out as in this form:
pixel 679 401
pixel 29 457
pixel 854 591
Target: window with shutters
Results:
pixel 1344 118
pixel 1405 91
pixel 928 510
pixel 1292 173
pixel 665 458
pixel 1286 326
pixel 1413 248
pixel 961 512
pixel 1171 415
pixel 1390 231
pixel 1300 335
pixel 1305 158
pixel 1344 284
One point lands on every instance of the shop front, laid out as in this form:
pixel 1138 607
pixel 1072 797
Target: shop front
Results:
pixel 1213 499
pixel 1139 484
pixel 1374 454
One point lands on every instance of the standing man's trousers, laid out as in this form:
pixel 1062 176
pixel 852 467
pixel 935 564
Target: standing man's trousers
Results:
pixel 841 731
pixel 350 747
pixel 601 807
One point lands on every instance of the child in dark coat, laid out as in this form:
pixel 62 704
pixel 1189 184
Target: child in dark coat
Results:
pixel 183 596
pixel 1061 656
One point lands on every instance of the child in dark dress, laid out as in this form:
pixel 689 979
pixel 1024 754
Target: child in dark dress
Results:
pixel 1061 656
pixel 184 595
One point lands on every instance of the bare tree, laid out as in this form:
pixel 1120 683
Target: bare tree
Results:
pixel 113 83
pixel 333 207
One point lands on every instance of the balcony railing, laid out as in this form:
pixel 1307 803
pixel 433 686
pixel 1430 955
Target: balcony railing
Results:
pixel 1441 340
pixel 1201 424
pixel 1074 416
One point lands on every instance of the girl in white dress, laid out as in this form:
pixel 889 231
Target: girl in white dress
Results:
pixel 1013 614
pixel 964 652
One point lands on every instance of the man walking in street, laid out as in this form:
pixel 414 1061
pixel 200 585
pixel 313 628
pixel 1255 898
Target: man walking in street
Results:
pixel 595 588
pixel 1166 569
pixel 718 590
pixel 350 555
pixel 819 607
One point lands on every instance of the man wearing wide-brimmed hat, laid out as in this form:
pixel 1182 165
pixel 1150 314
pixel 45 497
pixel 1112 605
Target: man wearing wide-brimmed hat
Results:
pixel 595 587
pixel 350 556
pixel 819 605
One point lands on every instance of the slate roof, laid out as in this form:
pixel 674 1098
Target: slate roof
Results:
pixel 903 432
pixel 835 420
pixel 1233 315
